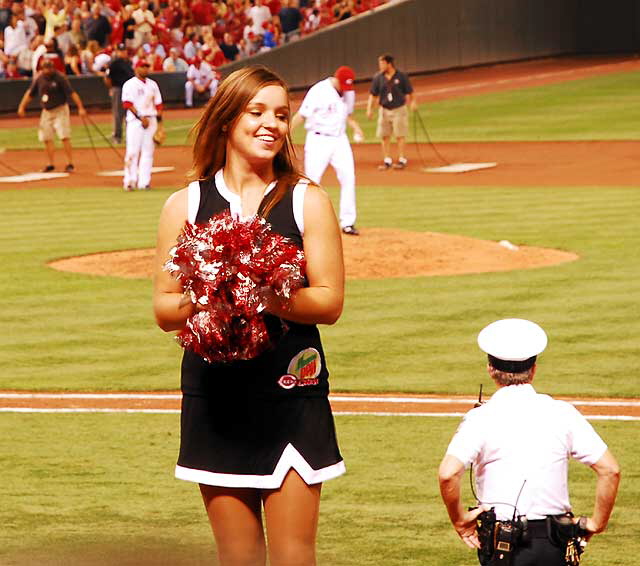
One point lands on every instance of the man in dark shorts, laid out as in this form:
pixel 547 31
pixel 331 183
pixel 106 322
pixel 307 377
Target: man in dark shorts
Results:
pixel 54 91
pixel 118 72
pixel 394 93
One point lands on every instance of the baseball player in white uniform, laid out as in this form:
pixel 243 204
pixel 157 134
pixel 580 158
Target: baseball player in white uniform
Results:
pixel 326 110
pixel 142 101
pixel 200 78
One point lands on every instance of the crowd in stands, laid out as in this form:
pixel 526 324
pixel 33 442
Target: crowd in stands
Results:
pixel 80 36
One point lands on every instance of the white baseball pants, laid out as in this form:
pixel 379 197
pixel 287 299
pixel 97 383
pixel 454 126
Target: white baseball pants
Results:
pixel 138 159
pixel 321 151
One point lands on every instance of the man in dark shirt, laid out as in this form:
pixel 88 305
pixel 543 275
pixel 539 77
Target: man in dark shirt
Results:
pixel 97 27
pixel 5 14
pixel 290 18
pixel 394 93
pixel 229 48
pixel 54 91
pixel 118 72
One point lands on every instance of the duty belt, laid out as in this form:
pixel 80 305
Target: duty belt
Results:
pixel 500 539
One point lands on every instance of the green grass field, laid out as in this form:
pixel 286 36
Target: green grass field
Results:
pixel 106 495
pixel 98 489
pixel 598 108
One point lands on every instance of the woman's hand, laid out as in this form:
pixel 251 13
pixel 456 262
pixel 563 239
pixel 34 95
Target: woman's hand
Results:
pixel 321 302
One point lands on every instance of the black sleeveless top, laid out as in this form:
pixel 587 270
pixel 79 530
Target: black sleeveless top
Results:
pixel 295 364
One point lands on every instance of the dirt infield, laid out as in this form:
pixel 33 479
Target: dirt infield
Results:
pixel 388 404
pixel 522 164
pixel 408 254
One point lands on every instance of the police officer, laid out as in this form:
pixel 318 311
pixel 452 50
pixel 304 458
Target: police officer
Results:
pixel 118 73
pixel 519 444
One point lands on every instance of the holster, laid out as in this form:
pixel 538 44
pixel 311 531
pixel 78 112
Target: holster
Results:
pixel 562 528
pixel 564 533
pixel 498 539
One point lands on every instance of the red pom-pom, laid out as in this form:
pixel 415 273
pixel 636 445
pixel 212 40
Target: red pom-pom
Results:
pixel 227 266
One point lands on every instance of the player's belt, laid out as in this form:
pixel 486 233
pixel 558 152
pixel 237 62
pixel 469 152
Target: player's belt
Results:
pixel 327 135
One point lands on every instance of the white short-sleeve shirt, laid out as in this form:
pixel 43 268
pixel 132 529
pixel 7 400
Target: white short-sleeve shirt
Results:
pixel 325 111
pixel 144 95
pixel 519 442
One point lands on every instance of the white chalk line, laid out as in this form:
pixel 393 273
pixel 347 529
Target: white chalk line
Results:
pixel 336 398
pixel 336 413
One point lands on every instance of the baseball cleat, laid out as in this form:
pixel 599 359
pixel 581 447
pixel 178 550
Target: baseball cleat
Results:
pixel 69 168
pixel 400 164
pixel 48 168
pixel 386 164
pixel 350 231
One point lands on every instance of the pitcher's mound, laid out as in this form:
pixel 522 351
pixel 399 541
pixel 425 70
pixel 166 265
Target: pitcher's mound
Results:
pixel 376 254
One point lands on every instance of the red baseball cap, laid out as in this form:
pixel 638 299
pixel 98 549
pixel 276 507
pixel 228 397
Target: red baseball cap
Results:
pixel 142 63
pixel 346 77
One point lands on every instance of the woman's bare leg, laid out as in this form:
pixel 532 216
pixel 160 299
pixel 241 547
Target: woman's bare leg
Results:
pixel 236 521
pixel 291 514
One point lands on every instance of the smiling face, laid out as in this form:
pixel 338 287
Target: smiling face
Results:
pixel 260 130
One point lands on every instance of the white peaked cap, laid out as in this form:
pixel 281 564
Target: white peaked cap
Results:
pixel 512 339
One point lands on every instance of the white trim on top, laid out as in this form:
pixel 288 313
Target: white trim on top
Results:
pixel 193 201
pixel 289 459
pixel 235 204
pixel 234 200
pixel 299 191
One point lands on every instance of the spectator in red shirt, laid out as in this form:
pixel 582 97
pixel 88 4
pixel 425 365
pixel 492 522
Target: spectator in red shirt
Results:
pixel 274 6
pixel 12 72
pixel 213 55
pixel 172 15
pixel 114 5
pixel 202 13
pixel 156 61
pixel 52 54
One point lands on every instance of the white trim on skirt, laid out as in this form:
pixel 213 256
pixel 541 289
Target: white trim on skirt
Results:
pixel 290 458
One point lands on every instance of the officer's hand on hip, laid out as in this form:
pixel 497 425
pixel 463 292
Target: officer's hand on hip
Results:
pixel 467 527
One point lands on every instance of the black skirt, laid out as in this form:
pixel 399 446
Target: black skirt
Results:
pixel 253 441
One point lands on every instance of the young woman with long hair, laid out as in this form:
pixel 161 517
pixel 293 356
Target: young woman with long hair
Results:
pixel 258 435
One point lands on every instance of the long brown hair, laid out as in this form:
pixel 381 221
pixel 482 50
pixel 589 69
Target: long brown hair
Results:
pixel 219 117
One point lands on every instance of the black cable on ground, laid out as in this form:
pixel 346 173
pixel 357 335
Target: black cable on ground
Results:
pixel 105 138
pixel 426 133
pixel 95 151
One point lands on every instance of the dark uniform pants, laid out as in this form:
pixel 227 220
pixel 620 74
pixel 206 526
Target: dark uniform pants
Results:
pixel 117 111
pixel 539 552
